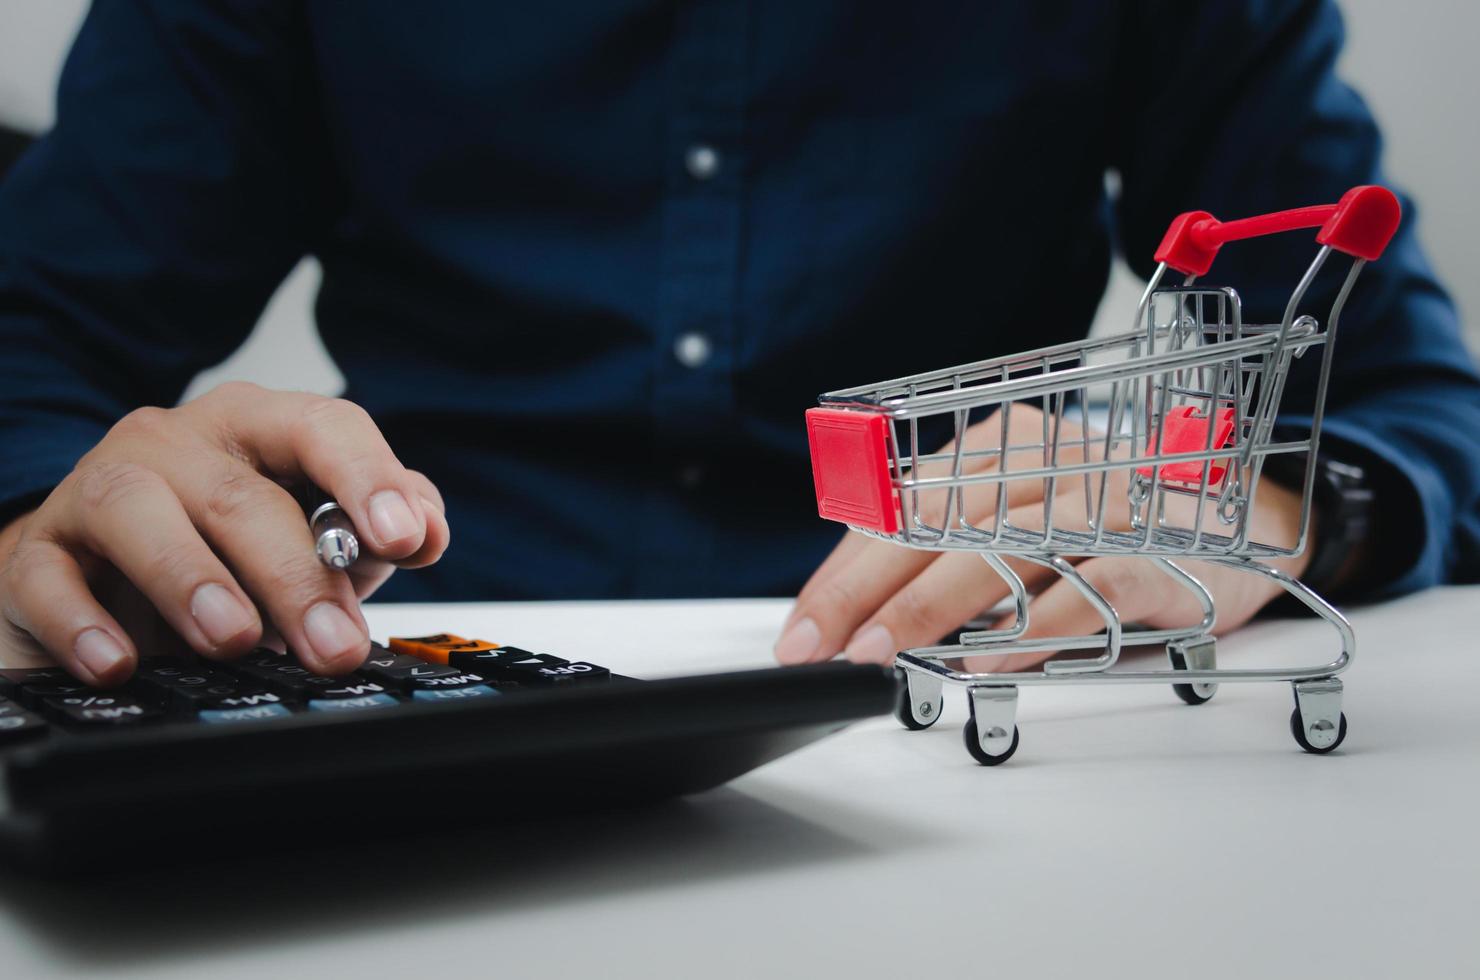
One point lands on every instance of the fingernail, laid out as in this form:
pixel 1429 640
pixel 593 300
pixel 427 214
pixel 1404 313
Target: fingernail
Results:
pixel 874 645
pixel 799 642
pixel 332 634
pixel 390 517
pixel 99 652
pixel 220 614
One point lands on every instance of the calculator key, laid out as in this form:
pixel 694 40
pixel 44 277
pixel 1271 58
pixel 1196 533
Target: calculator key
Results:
pixel 12 678
pixel 291 681
pixel 564 672
pixel 186 688
pixel 217 716
pixel 225 695
pixel 33 694
pixel 509 665
pixel 17 724
pixel 168 675
pixel 446 682
pixel 455 693
pixel 340 688
pixel 353 704
pixel 400 671
pixel 576 670
pixel 275 672
pixel 247 699
pixel 100 710
pixel 495 657
pixel 382 659
pixel 402 644
pixel 443 653
pixel 430 648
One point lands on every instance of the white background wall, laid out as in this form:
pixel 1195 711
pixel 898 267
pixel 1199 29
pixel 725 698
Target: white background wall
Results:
pixel 1414 60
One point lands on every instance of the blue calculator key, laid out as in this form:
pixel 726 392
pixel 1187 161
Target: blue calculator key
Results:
pixel 217 716
pixel 454 693
pixel 353 704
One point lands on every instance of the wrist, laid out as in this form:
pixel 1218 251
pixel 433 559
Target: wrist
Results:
pixel 1342 502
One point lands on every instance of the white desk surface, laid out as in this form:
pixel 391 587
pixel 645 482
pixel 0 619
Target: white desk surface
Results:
pixel 1131 836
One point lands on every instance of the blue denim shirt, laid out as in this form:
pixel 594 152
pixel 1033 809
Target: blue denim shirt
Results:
pixel 587 267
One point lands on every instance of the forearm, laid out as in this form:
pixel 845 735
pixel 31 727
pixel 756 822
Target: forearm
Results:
pixel 141 237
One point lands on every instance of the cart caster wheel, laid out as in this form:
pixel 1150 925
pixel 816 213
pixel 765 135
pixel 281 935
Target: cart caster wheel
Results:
pixel 1188 693
pixel 1297 728
pixel 1198 655
pixel 974 745
pixel 907 717
pixel 928 712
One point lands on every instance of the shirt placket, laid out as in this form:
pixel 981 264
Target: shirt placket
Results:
pixel 694 355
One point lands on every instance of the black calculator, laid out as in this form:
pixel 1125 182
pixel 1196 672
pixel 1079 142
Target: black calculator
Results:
pixel 192 756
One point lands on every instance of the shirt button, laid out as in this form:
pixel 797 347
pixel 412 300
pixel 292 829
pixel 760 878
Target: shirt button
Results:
pixel 692 350
pixel 701 161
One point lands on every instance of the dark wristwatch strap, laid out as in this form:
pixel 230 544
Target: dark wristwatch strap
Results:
pixel 1344 501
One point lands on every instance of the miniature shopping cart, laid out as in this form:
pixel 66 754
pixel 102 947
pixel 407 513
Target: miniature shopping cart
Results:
pixel 1148 444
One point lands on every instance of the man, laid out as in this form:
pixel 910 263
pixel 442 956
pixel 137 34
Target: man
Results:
pixel 583 270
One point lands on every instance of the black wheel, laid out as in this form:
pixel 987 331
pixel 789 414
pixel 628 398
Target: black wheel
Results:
pixel 974 745
pixel 1187 692
pixel 902 707
pixel 1297 728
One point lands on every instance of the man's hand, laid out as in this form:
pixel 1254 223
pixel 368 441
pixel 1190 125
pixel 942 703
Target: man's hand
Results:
pixel 179 518
pixel 871 599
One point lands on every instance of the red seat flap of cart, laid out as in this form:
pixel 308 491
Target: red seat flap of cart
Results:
pixel 850 468
pixel 1187 432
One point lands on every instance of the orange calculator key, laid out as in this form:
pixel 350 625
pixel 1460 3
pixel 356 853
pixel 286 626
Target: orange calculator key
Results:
pixel 435 648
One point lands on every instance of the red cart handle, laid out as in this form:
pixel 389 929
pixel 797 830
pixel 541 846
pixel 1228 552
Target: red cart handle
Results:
pixel 1360 224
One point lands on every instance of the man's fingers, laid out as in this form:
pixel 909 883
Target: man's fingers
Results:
pixel 132 517
pixel 862 574
pixel 438 533
pixel 953 589
pixel 842 604
pixel 335 444
pixel 822 622
pixel 849 546
pixel 46 594
pixel 258 528
pixel 948 593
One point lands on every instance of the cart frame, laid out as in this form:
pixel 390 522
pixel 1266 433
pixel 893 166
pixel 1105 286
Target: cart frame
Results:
pixel 1190 400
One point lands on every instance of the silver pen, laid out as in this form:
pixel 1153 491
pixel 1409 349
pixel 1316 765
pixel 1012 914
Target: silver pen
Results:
pixel 334 535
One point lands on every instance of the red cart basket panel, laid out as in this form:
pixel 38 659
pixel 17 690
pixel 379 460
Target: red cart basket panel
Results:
pixel 850 468
pixel 1187 432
